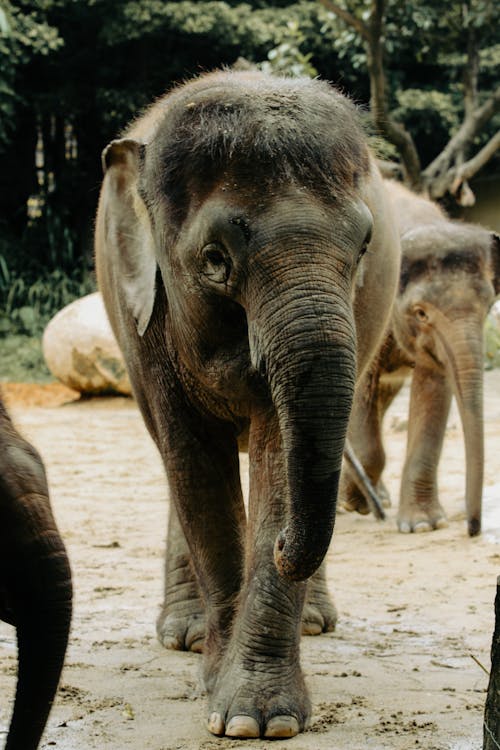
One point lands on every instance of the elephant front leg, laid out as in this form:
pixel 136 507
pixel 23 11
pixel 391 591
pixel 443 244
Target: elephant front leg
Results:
pixel 260 690
pixel 181 623
pixel 430 398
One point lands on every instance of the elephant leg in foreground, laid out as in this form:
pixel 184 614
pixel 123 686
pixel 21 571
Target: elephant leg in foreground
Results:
pixel 430 399
pixel 243 660
pixel 259 689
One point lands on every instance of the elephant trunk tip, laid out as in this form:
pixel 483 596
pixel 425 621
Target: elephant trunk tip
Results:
pixel 292 561
pixel 474 526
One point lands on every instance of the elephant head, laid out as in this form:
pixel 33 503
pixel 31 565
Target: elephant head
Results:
pixel 35 584
pixel 239 203
pixel 449 278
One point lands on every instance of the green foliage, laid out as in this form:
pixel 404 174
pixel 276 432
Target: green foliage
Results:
pixel 492 340
pixel 87 66
pixel 51 239
pixel 287 58
pixel 22 361
pixel 433 105
pixel 27 303
pixel 24 35
pixel 430 115
pixel 347 44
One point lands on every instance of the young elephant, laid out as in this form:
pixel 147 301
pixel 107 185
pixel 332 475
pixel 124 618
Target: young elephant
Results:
pixel 450 275
pixel 230 242
pixel 35 584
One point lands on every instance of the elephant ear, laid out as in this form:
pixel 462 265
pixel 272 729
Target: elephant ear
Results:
pixel 495 258
pixel 128 228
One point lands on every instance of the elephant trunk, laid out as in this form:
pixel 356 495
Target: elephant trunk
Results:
pixel 39 593
pixel 304 341
pixel 463 342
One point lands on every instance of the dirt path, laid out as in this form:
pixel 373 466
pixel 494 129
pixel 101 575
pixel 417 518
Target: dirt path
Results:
pixel 397 674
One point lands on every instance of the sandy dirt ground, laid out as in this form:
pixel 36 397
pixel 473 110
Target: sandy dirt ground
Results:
pixel 416 611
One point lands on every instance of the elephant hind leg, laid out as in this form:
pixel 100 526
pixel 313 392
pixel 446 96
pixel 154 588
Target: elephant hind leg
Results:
pixel 181 623
pixel 319 614
pixel 374 395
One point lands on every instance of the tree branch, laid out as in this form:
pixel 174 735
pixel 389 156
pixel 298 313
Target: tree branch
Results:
pixel 349 18
pixel 437 170
pixel 471 167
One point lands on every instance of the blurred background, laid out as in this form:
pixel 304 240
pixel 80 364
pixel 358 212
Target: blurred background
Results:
pixel 73 73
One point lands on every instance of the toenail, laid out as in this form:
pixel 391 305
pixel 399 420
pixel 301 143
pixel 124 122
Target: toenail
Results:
pixel 282 726
pixel 242 726
pixel 422 527
pixel 215 724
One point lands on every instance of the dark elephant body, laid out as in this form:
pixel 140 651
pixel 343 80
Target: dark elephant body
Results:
pixel 450 275
pixel 230 244
pixel 35 584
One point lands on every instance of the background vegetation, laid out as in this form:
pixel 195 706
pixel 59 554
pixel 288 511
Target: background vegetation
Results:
pixel 73 72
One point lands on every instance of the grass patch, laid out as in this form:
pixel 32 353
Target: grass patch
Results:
pixel 21 360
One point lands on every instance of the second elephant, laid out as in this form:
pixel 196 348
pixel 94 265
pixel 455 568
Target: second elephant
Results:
pixel 450 275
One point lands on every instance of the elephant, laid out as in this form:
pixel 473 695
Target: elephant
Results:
pixel 35 584
pixel 450 275
pixel 242 233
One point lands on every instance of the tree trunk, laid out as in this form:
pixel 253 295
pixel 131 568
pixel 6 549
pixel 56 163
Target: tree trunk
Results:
pixel 491 729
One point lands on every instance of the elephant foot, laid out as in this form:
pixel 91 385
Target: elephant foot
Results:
pixel 318 619
pixel 253 699
pixel 355 501
pixel 383 494
pixel 181 633
pixel 181 623
pixel 417 520
pixel 319 614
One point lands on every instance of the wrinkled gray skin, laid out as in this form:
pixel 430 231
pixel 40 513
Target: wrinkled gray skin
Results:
pixel 450 275
pixel 35 584
pixel 230 244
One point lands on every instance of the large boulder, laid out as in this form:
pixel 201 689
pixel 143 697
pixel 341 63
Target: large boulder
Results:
pixel 81 350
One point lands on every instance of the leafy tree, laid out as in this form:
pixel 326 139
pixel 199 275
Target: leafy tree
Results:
pixel 445 36
pixel 73 73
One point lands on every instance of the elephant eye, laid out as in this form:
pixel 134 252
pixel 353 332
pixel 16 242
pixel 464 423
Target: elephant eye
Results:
pixel 364 246
pixel 420 314
pixel 216 263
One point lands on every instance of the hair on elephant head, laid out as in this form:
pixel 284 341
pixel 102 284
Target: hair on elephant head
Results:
pixel 241 230
pixel 35 584
pixel 450 275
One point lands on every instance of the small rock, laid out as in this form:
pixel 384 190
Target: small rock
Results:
pixel 81 351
